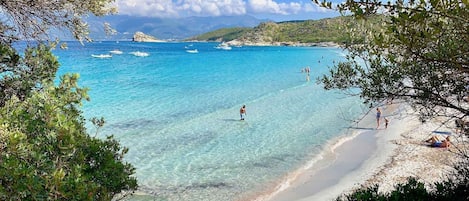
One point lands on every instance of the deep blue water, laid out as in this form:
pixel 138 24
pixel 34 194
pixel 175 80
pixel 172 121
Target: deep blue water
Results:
pixel 178 113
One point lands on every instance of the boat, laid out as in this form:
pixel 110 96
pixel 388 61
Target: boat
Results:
pixel 223 46
pixel 101 55
pixel 194 51
pixel 140 54
pixel 115 52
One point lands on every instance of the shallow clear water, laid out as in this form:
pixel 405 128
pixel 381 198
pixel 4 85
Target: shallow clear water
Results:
pixel 178 113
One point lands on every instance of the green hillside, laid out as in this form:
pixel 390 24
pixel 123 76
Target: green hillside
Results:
pixel 307 31
pixel 225 34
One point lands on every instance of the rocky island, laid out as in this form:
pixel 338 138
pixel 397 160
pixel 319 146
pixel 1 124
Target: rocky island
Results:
pixel 141 37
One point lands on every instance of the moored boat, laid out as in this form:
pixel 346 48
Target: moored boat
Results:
pixel 194 51
pixel 140 54
pixel 101 55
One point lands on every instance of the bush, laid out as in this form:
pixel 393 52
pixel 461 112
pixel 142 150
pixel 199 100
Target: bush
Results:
pixel 455 188
pixel 45 152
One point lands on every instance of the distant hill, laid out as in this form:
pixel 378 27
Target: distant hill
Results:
pixel 288 33
pixel 166 29
pixel 224 34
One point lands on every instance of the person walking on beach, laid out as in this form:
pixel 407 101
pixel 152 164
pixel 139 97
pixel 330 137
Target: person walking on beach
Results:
pixel 242 112
pixel 386 122
pixel 378 116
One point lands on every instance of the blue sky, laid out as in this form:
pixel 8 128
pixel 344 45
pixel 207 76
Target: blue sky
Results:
pixel 278 10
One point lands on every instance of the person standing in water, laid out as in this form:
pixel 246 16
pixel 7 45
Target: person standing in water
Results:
pixel 242 112
pixel 378 116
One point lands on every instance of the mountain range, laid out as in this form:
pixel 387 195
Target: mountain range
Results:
pixel 165 29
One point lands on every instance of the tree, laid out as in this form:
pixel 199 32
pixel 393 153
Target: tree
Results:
pixel 420 55
pixel 25 19
pixel 45 151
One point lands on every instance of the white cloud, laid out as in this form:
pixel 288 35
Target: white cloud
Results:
pixel 265 6
pixel 183 8
pixel 291 8
pixel 312 7
pixel 211 7
pixel 159 8
pixel 179 8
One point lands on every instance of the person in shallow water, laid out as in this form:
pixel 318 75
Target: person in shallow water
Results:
pixel 378 116
pixel 242 112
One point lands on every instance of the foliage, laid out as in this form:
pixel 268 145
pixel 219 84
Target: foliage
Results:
pixel 45 152
pixel 25 19
pixel 21 76
pixel 420 55
pixel 455 187
pixel 412 190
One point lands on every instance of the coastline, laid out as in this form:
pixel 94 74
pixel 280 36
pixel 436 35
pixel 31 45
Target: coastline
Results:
pixel 237 43
pixel 293 44
pixel 366 156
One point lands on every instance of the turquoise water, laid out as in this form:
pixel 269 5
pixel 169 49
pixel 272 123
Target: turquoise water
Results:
pixel 178 113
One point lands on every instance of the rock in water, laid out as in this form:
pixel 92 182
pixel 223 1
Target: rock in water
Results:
pixel 141 37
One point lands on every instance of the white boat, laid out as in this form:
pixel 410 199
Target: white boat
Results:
pixel 223 46
pixel 115 52
pixel 101 55
pixel 194 51
pixel 140 54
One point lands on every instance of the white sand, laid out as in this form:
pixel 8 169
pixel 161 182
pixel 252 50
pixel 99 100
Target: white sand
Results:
pixel 384 156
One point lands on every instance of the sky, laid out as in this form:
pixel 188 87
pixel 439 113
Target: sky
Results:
pixel 277 10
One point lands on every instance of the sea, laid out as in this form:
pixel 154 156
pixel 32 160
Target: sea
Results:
pixel 178 113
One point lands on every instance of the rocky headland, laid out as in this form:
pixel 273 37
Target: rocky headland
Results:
pixel 141 37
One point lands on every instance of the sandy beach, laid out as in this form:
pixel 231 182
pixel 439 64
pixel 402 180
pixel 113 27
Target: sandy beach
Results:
pixel 369 155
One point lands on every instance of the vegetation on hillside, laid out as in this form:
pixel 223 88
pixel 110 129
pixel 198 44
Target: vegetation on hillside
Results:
pixel 307 31
pixel 45 151
pixel 225 34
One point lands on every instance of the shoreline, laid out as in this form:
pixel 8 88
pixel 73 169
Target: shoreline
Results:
pixel 364 156
pixel 286 44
